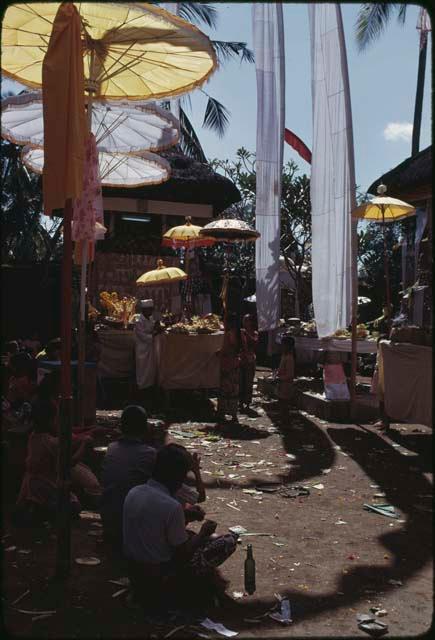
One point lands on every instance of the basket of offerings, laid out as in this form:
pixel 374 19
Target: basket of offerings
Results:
pixel 120 311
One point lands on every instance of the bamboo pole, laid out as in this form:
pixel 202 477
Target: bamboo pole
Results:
pixel 63 551
pixel 354 293
pixel 81 378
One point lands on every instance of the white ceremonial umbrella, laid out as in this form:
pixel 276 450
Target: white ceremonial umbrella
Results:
pixel 124 126
pixel 116 169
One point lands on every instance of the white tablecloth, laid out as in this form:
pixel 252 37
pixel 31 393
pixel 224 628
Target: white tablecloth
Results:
pixel 188 361
pixel 183 361
pixel 407 378
pixel 332 344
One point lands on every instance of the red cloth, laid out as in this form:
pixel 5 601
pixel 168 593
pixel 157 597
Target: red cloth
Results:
pixel 297 144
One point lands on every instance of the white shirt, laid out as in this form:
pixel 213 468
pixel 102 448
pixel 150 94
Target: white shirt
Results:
pixel 153 523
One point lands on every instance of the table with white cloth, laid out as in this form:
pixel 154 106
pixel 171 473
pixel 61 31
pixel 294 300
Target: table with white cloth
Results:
pixel 407 381
pixel 307 348
pixel 188 361
pixel 184 361
pixel 117 353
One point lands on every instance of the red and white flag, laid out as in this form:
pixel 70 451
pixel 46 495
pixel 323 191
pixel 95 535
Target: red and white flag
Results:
pixel 294 141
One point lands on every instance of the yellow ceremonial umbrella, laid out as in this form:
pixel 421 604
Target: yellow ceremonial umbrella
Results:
pixel 186 236
pixel 161 275
pixel 130 50
pixel 384 209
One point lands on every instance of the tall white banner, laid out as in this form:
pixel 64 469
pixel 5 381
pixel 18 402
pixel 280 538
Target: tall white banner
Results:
pixel 270 69
pixel 332 172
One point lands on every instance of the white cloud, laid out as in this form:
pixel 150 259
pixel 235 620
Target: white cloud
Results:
pixel 398 131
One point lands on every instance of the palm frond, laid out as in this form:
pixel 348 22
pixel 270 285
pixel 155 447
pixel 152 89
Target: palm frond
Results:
pixel 189 142
pixel 227 50
pixel 216 116
pixel 402 13
pixel 371 21
pixel 199 12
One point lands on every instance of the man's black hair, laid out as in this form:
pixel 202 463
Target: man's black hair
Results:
pixel 134 421
pixel 172 464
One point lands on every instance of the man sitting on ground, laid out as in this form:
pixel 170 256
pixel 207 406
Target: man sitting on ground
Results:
pixel 128 462
pixel 155 540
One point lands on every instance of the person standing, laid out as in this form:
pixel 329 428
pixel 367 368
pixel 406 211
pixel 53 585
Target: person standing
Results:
pixel 145 329
pixel 230 371
pixel 249 342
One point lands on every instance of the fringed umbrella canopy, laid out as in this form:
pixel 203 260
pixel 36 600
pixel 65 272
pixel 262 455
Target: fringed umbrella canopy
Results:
pixel 161 275
pixel 116 169
pixel 230 230
pixel 186 236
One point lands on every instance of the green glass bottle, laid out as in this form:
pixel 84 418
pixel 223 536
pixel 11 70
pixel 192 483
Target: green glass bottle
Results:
pixel 249 571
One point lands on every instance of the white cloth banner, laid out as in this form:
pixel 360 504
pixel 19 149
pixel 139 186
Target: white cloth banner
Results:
pixel 270 69
pixel 332 172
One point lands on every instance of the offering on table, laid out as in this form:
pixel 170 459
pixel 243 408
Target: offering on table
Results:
pixel 308 328
pixel 210 323
pixel 119 311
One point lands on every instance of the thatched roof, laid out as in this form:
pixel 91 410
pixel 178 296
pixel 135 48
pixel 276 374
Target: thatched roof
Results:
pixel 191 181
pixel 411 178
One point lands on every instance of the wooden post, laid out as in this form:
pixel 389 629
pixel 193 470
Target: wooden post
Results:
pixel 63 532
pixel 354 293
pixel 418 108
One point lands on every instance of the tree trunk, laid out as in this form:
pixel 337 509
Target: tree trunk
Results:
pixel 418 108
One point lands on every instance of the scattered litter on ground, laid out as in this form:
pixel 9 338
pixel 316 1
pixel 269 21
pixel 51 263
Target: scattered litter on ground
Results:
pixel 23 595
pixel 395 583
pixel 90 515
pixel 325 471
pixel 340 521
pixel 91 561
pixel 318 486
pixel 378 611
pixel 382 509
pixel 168 635
pixel 238 530
pixel 37 613
pixel 118 593
pixel 10 548
pixel 238 594
pixel 217 626
pixel 371 625
pixel 122 582
pixel 284 617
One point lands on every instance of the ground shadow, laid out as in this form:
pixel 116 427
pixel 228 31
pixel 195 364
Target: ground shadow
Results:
pixel 409 547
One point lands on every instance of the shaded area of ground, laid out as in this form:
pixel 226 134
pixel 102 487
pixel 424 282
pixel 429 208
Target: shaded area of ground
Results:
pixel 332 558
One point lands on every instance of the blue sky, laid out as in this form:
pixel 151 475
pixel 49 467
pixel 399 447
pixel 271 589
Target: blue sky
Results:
pixel 382 81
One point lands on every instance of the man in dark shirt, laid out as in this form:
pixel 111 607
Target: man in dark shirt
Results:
pixel 128 463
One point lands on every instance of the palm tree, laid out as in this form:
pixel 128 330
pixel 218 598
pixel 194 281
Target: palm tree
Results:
pixel 372 20
pixel 216 116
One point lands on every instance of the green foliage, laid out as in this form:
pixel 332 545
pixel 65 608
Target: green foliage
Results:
pixel 295 220
pixel 25 239
pixel 216 115
pixel 373 19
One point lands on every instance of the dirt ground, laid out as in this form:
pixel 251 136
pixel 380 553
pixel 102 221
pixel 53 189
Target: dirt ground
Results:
pixel 332 558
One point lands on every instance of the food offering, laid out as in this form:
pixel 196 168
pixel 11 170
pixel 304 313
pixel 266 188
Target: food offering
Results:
pixel 119 311
pixel 361 333
pixel 208 324
pixel 308 329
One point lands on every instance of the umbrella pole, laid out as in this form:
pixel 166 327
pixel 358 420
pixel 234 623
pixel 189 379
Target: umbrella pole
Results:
pixel 82 318
pixel 354 354
pixel 63 529
pixel 386 271
pixel 82 335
